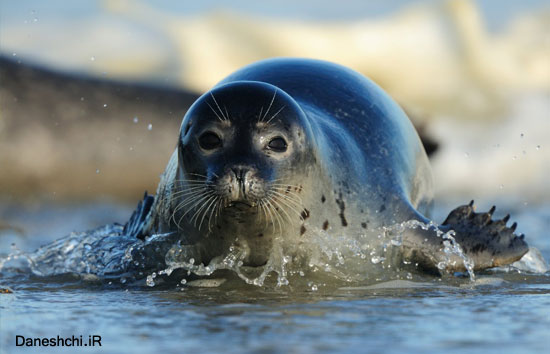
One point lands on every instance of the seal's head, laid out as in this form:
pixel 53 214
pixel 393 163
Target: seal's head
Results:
pixel 241 149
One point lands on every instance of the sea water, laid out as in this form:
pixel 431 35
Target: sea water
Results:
pixel 504 310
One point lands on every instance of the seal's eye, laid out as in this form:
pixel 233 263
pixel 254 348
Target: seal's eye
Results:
pixel 210 141
pixel 277 144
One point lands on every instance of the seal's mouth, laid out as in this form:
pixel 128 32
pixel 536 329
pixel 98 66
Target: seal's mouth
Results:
pixel 240 205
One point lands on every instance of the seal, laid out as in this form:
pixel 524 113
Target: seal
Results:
pixel 286 146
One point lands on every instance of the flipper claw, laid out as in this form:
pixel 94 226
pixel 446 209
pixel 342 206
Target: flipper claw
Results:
pixel 489 243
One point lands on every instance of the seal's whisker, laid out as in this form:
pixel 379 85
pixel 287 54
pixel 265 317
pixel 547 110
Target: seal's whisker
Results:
pixel 226 113
pixel 261 205
pixel 275 115
pixel 288 195
pixel 196 200
pixel 197 174
pixel 277 215
pixel 186 194
pixel 268 209
pixel 182 183
pixel 212 201
pixel 197 212
pixel 191 180
pixel 287 200
pixel 260 115
pixel 206 205
pixel 186 186
pixel 270 104
pixel 294 199
pixel 185 197
pixel 282 209
pixel 185 202
pixel 191 199
pixel 221 120
pixel 193 205
pixel 192 187
pixel 214 208
pixel 217 105
pixel 290 206
pixel 285 185
pixel 219 208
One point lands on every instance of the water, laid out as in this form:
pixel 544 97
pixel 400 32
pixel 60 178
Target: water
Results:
pixel 493 316
pixel 505 310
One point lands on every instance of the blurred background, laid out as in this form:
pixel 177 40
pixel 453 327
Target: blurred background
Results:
pixel 92 94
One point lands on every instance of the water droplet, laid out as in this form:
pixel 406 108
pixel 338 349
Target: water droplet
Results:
pixel 192 260
pixel 524 152
pixel 521 135
pixel 501 186
pixel 514 157
pixel 377 259
pixel 92 58
pixel 105 105
pixel 302 273
pixel 35 19
pixel 466 155
pixel 150 127
pixel 82 98
pixel 123 280
pixel 136 119
pixel 183 281
pixel 131 148
pixel 538 147
pixel 14 54
pixel 396 241
pixel 97 171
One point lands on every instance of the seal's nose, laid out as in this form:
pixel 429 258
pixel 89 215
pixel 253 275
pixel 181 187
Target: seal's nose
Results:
pixel 239 175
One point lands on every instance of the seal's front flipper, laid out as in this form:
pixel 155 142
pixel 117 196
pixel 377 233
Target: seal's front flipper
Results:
pixel 485 243
pixel 489 243
pixel 134 226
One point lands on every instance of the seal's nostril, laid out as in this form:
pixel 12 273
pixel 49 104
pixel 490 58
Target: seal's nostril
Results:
pixel 239 173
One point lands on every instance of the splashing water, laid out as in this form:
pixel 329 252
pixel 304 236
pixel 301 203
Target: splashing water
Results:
pixel 344 258
pixel 318 258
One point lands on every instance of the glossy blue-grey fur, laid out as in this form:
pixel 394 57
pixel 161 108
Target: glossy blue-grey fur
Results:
pixel 365 139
